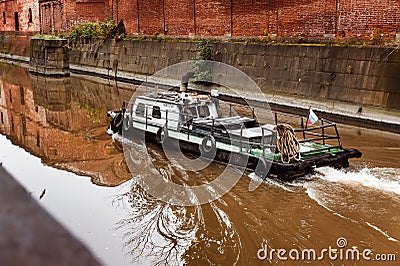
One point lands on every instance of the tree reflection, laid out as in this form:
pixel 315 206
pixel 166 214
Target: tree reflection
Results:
pixel 157 233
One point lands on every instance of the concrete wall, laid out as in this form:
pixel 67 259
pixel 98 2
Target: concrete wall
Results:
pixel 367 76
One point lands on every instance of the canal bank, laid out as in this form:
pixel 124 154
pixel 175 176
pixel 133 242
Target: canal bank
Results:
pixel 61 125
pixel 29 235
pixel 336 81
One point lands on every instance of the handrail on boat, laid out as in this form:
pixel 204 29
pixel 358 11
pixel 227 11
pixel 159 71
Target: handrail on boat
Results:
pixel 310 131
pixel 306 131
pixel 323 136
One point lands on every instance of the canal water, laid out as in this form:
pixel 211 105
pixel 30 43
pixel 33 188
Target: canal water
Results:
pixel 54 142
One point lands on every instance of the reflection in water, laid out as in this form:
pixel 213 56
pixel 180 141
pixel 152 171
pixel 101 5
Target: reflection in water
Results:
pixel 162 233
pixel 155 230
pixel 158 233
pixel 63 121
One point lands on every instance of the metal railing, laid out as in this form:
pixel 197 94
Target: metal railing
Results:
pixel 314 134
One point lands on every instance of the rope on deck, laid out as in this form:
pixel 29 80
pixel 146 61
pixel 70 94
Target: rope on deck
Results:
pixel 287 143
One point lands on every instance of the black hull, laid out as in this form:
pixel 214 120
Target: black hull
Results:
pixel 287 172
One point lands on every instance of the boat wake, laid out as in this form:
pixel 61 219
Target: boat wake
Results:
pixel 367 196
pixel 382 232
pixel 382 179
pixel 268 181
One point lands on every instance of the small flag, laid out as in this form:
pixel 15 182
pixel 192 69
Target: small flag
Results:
pixel 312 118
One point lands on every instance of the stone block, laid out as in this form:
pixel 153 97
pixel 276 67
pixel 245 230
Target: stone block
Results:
pixel 337 52
pixel 377 54
pixel 393 101
pixel 252 49
pixel 307 64
pixel 359 53
pixel 379 98
pixel 376 69
pixel 317 52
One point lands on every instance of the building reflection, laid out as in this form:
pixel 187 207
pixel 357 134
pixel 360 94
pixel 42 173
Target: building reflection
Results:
pixel 63 121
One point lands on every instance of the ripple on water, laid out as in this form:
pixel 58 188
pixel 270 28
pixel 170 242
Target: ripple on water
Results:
pixel 367 196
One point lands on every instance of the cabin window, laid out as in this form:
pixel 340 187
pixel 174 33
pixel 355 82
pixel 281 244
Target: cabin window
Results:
pixel 203 111
pixel 4 17
pixel 191 111
pixel 140 110
pixel 156 112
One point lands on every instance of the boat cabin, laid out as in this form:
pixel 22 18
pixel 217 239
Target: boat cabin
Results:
pixel 176 109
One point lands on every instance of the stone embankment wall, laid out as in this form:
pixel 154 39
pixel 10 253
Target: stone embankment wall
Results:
pixel 366 76
pixel 49 57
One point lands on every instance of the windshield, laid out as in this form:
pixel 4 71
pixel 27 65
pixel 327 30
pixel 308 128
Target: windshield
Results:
pixel 203 111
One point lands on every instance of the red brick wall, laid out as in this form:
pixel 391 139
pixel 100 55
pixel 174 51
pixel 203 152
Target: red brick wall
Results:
pixel 361 17
pixel 251 18
pixel 7 8
pixel 92 10
pixel 179 17
pixel 305 17
pixel 285 18
pixel 151 19
pixel 127 11
pixel 60 16
pixel 52 16
pixel 23 13
pixel 22 7
pixel 213 17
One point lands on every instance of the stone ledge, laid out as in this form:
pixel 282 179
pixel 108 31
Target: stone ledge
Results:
pixel 30 236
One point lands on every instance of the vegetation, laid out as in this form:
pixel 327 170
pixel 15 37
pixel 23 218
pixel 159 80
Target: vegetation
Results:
pixel 107 29
pixel 92 30
pixel 46 36
pixel 204 49
pixel 201 67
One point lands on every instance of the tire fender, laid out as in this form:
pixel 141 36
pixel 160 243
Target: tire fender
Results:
pixel 208 145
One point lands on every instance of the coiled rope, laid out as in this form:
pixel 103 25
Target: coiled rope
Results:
pixel 287 143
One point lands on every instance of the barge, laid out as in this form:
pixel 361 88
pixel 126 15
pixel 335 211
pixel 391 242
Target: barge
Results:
pixel 194 123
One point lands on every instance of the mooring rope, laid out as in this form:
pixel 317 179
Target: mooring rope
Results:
pixel 287 143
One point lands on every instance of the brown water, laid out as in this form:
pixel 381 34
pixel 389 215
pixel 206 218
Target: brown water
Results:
pixel 63 122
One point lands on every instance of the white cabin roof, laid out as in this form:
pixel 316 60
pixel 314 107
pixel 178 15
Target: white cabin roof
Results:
pixel 253 132
pixel 177 98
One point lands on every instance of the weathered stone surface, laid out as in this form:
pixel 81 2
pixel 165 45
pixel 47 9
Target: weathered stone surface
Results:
pixel 30 236
pixel 51 57
pixel 311 71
